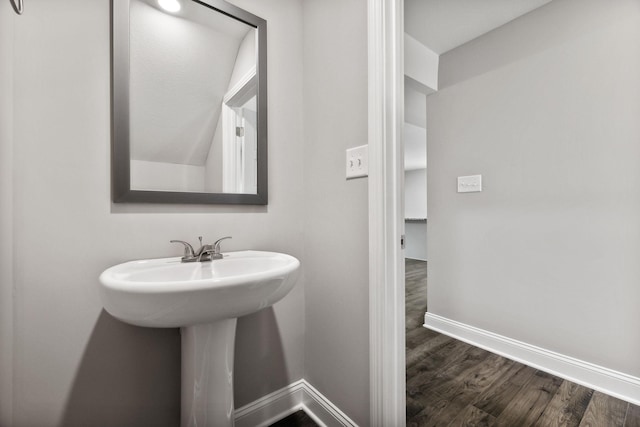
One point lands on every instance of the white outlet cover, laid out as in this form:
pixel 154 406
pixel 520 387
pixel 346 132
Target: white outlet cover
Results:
pixel 469 184
pixel 357 162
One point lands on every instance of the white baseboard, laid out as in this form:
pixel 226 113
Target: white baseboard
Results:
pixel 296 396
pixel 617 384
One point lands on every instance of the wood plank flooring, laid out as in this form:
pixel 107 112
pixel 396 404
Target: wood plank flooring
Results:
pixel 451 383
pixel 297 419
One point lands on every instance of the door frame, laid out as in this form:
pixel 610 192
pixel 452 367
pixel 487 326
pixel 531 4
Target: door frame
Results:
pixel 386 213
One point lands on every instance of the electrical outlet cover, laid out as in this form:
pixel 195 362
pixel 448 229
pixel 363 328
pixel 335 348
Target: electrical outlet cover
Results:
pixel 469 184
pixel 358 162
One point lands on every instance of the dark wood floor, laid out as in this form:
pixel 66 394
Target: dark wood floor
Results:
pixel 297 419
pixel 451 383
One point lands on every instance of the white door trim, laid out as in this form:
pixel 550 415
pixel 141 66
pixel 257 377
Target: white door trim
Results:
pixel 233 174
pixel 386 225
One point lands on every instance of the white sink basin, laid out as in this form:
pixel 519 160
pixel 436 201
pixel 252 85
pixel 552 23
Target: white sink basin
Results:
pixel 168 293
pixel 204 299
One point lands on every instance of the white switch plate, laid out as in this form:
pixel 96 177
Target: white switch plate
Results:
pixel 358 162
pixel 469 184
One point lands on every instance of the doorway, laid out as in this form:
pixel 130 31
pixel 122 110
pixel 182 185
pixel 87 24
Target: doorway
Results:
pixel 524 76
pixel 415 208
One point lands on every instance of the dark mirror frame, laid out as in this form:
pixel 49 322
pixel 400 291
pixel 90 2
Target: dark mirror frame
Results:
pixel 120 144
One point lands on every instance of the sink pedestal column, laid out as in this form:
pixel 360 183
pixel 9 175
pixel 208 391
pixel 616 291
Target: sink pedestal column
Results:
pixel 207 374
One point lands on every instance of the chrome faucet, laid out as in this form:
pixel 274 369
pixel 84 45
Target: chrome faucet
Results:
pixel 205 253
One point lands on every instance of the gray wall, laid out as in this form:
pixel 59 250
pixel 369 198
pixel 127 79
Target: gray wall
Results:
pixel 415 193
pixel 546 108
pixel 415 207
pixel 336 211
pixel 6 212
pixel 415 240
pixel 74 364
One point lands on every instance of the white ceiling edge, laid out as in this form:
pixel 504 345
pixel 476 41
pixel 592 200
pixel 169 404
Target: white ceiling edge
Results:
pixel 420 63
pixel 442 25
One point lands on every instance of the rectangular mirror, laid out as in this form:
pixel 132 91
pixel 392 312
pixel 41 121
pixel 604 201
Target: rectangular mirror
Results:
pixel 189 103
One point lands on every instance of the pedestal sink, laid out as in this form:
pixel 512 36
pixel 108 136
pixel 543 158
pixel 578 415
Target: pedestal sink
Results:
pixel 204 299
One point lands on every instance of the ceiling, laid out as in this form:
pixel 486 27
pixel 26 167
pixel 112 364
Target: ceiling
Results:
pixel 201 14
pixel 442 25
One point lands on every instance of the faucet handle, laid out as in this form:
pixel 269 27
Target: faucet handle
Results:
pixel 216 245
pixel 188 249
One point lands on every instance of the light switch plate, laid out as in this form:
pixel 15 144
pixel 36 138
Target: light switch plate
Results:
pixel 469 184
pixel 358 162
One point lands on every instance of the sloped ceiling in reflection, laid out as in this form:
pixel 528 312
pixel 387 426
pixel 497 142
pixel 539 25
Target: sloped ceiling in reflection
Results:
pixel 180 69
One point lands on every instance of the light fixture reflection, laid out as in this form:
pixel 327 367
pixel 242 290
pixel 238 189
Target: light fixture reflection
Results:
pixel 172 6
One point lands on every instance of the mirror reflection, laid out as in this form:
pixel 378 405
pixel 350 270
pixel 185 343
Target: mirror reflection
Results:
pixel 192 99
pixel 189 103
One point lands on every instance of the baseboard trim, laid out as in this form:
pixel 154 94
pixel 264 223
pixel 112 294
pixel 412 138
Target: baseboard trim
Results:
pixel 296 396
pixel 614 383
